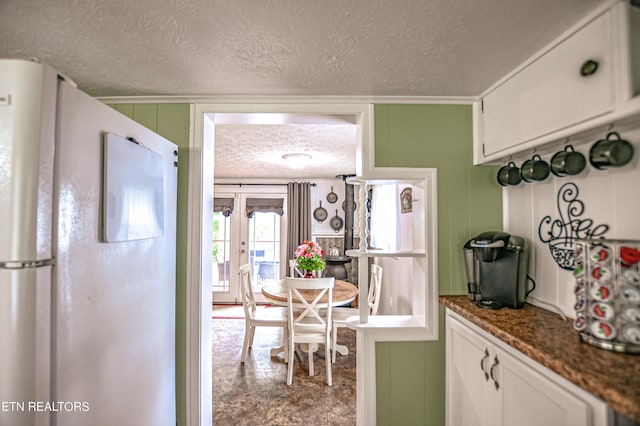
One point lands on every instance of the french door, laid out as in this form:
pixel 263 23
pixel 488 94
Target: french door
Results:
pixel 259 240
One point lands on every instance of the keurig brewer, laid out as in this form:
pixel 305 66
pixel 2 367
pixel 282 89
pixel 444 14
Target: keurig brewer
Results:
pixel 496 266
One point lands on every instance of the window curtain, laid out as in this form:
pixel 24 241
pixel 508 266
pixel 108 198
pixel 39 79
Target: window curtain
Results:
pixel 224 205
pixel 264 205
pixel 299 214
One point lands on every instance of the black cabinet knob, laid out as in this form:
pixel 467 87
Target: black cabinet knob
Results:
pixel 589 68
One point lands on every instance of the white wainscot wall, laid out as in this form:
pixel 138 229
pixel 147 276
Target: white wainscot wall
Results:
pixel 610 197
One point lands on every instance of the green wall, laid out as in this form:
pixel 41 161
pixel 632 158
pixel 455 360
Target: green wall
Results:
pixel 172 122
pixel 410 376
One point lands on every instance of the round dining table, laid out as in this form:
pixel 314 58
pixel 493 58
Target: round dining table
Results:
pixel 343 293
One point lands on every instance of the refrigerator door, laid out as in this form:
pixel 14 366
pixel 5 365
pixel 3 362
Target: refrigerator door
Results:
pixel 25 348
pixel 114 303
pixel 27 134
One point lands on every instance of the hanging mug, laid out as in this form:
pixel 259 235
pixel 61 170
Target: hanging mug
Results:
pixel 610 152
pixel 509 175
pixel 568 162
pixel 535 169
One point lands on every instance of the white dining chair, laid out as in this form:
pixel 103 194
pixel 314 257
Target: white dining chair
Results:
pixel 340 315
pixel 293 269
pixel 269 317
pixel 295 272
pixel 308 323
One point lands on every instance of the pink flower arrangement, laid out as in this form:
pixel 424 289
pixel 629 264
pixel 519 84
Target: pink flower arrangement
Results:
pixel 309 256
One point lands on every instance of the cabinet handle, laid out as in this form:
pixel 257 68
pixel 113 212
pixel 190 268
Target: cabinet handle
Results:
pixel 589 68
pixel 495 364
pixel 484 358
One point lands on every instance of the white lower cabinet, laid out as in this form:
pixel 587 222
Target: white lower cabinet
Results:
pixel 490 383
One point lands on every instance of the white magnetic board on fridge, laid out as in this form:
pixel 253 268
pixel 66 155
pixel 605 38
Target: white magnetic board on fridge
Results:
pixel 133 192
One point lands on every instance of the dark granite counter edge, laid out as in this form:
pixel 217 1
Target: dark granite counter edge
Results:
pixel 599 385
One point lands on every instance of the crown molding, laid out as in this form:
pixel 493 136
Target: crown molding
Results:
pixel 230 99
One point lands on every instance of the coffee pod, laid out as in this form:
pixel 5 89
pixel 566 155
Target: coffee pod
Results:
pixel 602 330
pixel 601 273
pixel 600 292
pixel 580 323
pixel 631 276
pixel 631 313
pixel 630 294
pixel 600 254
pixel 630 333
pixel 629 255
pixel 578 270
pixel 581 304
pixel 578 248
pixel 579 288
pixel 602 311
pixel 610 152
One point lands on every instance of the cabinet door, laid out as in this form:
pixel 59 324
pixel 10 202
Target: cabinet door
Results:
pixel 530 399
pixel 551 94
pixel 471 397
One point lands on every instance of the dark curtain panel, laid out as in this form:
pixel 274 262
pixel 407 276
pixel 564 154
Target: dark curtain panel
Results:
pixel 265 205
pixel 224 205
pixel 299 214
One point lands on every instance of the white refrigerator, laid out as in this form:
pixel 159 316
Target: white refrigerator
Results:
pixel 87 258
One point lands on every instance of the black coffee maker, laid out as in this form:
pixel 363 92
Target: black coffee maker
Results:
pixel 496 265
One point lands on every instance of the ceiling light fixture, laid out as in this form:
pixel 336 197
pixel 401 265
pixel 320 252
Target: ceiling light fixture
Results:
pixel 298 156
pixel 297 160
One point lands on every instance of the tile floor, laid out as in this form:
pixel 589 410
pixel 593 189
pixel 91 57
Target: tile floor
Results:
pixel 257 394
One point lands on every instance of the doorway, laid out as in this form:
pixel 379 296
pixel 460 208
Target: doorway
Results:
pixel 243 235
pixel 200 221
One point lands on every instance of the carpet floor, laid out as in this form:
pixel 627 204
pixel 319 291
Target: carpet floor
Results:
pixel 257 393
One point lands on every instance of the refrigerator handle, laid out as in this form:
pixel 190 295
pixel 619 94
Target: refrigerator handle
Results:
pixel 17 264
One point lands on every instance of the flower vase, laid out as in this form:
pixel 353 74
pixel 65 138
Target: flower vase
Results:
pixel 308 273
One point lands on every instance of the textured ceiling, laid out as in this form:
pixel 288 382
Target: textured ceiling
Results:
pixel 255 151
pixel 369 48
pixel 283 47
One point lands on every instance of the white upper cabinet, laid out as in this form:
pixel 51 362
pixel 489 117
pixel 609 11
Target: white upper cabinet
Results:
pixel 581 81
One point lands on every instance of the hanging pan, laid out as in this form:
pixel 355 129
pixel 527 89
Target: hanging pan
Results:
pixel 332 197
pixel 320 213
pixel 336 222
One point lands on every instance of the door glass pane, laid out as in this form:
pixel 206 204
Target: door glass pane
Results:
pixel 264 248
pixel 221 244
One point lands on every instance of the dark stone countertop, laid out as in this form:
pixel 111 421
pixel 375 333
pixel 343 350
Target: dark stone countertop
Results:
pixel 546 338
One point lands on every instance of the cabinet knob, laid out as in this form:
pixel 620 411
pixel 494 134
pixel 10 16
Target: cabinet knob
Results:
pixel 589 68
pixel 484 358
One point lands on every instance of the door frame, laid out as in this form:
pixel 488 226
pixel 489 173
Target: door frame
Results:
pixel 199 398
pixel 239 221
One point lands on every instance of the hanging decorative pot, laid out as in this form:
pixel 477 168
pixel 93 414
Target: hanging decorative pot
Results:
pixel 336 222
pixel 320 213
pixel 332 197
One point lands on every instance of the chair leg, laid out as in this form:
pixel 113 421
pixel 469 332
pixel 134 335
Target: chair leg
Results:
pixel 310 360
pixel 248 331
pixel 334 341
pixel 253 333
pixel 290 366
pixel 286 344
pixel 327 354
